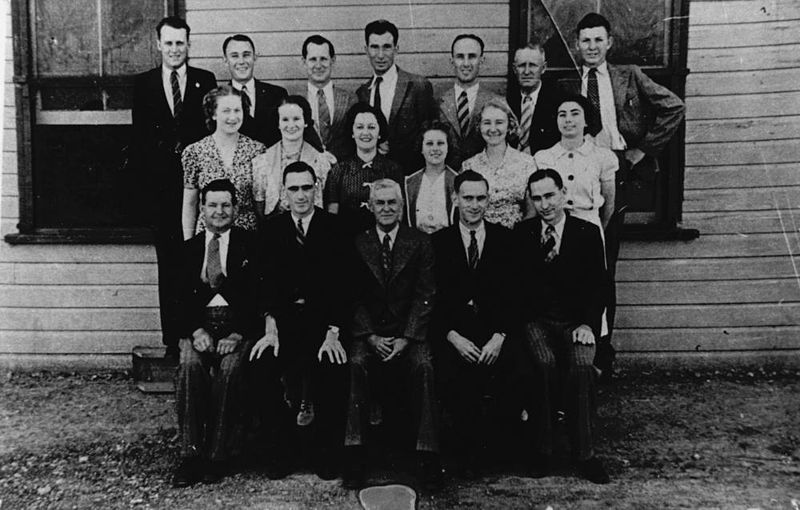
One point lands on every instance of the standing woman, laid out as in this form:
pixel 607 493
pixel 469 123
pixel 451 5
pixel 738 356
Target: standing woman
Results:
pixel 348 185
pixel 429 190
pixel 586 169
pixel 294 117
pixel 224 154
pixel 505 168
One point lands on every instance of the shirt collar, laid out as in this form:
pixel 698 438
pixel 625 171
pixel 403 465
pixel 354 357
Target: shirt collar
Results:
pixel 328 88
pixel 602 70
pixel 471 90
pixel 532 93
pixel 392 233
pixel 390 76
pixel 251 85
pixel 583 149
pixel 167 71
pixel 223 237
pixel 558 226
pixel 306 220
pixel 479 230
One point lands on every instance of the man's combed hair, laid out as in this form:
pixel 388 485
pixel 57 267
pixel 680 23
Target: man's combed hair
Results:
pixel 318 40
pixel 380 27
pixel 593 20
pixel 468 176
pixel 299 167
pixel 460 37
pixel 218 185
pixel 174 22
pixel 385 184
pixel 240 38
pixel 545 173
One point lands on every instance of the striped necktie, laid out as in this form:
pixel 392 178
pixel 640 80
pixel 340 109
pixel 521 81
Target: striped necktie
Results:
pixel 592 91
pixel 376 102
pixel 525 123
pixel 177 100
pixel 246 103
pixel 324 116
pixel 300 233
pixel 214 274
pixel 463 112
pixel 549 244
pixel 386 256
pixel 472 250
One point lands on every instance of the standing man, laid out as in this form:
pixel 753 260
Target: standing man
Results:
pixel 460 106
pixel 405 99
pixel 562 303
pixel 168 116
pixel 305 307
pixel 260 100
pixel 637 119
pixel 219 324
pixel 534 101
pixel 329 104
pixel 475 269
pixel 395 291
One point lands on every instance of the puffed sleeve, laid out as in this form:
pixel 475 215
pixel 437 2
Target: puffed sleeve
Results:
pixel 190 160
pixel 609 164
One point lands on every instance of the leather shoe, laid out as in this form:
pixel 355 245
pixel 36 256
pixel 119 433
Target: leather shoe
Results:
pixel 539 466
pixel 187 473
pixel 325 467
pixel 593 470
pixel 353 475
pixel 430 471
pixel 213 471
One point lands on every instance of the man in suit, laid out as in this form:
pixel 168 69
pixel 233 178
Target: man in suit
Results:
pixel 329 103
pixel 562 303
pixel 260 100
pixel 305 304
pixel 460 106
pixel 534 101
pixel 219 322
pixel 405 99
pixel 637 117
pixel 395 289
pixel 168 116
pixel 475 268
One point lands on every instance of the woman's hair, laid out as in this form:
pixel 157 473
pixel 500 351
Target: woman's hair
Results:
pixel 210 103
pixel 512 136
pixel 383 127
pixel 590 114
pixel 434 125
pixel 300 101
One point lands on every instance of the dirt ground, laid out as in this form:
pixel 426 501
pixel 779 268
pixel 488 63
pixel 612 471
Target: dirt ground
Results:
pixel 717 439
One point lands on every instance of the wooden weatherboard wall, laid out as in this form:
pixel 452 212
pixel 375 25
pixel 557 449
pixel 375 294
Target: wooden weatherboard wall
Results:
pixel 736 288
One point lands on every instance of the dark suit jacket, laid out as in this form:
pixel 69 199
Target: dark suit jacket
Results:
pixel 579 268
pixel 647 113
pixel 340 137
pixel 157 133
pixel 544 130
pixel 237 289
pixel 401 306
pixel 413 104
pixel 490 286
pixel 318 267
pixel 465 145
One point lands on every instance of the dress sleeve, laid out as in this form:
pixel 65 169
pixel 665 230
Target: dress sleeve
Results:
pixel 609 164
pixel 331 193
pixel 260 178
pixel 190 161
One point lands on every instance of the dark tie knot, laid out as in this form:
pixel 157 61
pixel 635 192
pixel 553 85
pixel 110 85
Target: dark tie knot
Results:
pixel 527 99
pixel 472 234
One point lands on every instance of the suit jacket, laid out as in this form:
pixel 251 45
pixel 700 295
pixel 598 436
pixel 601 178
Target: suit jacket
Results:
pixel 237 288
pixel 412 105
pixel 544 130
pixel 579 270
pixel 464 145
pixel 400 305
pixel 340 140
pixel 316 270
pixel 411 192
pixel 647 113
pixel 490 287
pixel 158 136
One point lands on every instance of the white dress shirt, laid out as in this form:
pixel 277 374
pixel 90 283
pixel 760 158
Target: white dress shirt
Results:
pixel 306 221
pixel 224 240
pixel 251 93
pixel 610 136
pixel 388 86
pixel 392 235
pixel 480 237
pixel 166 80
pixel 472 94
pixel 311 95
pixel 559 231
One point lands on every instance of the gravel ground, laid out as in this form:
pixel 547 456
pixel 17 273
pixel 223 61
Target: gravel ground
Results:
pixel 714 439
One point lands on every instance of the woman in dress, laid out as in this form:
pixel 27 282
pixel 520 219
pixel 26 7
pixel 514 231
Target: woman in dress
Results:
pixel 347 188
pixel 505 168
pixel 588 171
pixel 294 117
pixel 224 154
pixel 429 190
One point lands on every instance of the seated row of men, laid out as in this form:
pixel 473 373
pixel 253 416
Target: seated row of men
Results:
pixel 475 313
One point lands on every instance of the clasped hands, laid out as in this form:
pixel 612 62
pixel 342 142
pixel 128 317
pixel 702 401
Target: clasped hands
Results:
pixel 388 348
pixel 202 341
pixel 471 353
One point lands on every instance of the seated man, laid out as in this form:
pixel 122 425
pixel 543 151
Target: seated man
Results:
pixel 218 321
pixel 305 304
pixel 474 313
pixel 562 302
pixel 394 298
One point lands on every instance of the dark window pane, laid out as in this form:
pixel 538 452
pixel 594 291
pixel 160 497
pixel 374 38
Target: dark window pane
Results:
pixel 61 97
pixel 129 42
pixel 67 38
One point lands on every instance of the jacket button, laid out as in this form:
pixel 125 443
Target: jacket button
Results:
pixel 571 177
pixel 569 202
pixel 569 155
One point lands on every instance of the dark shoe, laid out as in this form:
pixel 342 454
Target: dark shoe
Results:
pixel 325 467
pixel 593 470
pixel 187 473
pixel 539 466
pixel 375 414
pixel 214 471
pixel 353 474
pixel 431 475
pixel 306 414
pixel 172 353
pixel 278 468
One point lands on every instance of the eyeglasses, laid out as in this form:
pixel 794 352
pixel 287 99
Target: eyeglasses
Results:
pixel 304 187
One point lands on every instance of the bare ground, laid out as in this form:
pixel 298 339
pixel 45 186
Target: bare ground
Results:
pixel 716 439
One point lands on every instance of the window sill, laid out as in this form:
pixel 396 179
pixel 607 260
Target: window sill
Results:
pixel 82 236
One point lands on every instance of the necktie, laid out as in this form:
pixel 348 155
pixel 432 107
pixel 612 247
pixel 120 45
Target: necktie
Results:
pixel 463 112
pixel 324 116
pixel 214 275
pixel 377 98
pixel 386 256
pixel 525 123
pixel 472 250
pixel 177 100
pixel 300 233
pixel 549 243
pixel 592 92
pixel 246 103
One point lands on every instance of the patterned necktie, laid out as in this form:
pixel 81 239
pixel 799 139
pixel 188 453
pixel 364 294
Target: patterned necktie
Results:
pixel 386 256
pixel 377 99
pixel 246 103
pixel 592 92
pixel 324 116
pixel 549 244
pixel 525 123
pixel 177 100
pixel 472 250
pixel 463 112
pixel 214 275
pixel 300 234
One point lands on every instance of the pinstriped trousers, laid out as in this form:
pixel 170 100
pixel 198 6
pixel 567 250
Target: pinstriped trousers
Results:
pixel 562 371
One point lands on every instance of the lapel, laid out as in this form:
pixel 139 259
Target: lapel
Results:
pixel 197 250
pixel 370 247
pixel 449 185
pixel 315 228
pixel 412 185
pixel 339 105
pixel 157 86
pixel 459 253
pixel 401 251
pixel 235 253
pixel 619 85
pixel 192 93
pixel 449 109
pixel 400 90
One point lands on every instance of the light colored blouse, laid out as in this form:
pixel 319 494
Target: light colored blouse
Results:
pixel 431 207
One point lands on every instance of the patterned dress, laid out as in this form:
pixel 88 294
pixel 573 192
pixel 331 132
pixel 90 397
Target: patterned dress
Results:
pixel 202 163
pixel 507 184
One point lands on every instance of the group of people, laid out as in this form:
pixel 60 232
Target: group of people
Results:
pixel 448 256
